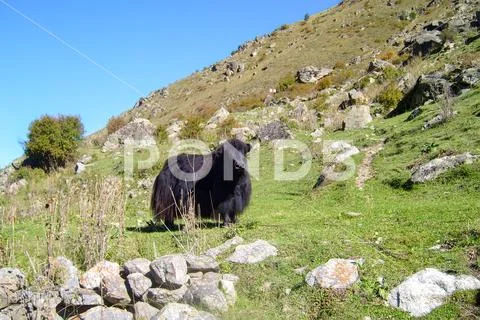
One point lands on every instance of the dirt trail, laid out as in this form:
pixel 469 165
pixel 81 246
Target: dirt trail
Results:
pixel 365 171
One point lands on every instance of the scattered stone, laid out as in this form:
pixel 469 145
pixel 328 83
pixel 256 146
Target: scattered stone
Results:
pixel 379 66
pixel 336 274
pixel 353 214
pixel 94 276
pixel 12 279
pixel 253 253
pixel 312 74
pixel 234 66
pixel 219 117
pixel 428 289
pixel 339 151
pixel 170 271
pixel 228 288
pixel 468 78
pixel 138 284
pixel 159 297
pixel 434 168
pixel 139 265
pixel 173 131
pixel 414 114
pixel 201 264
pixel 273 131
pixel 206 294
pixel 80 167
pixel 358 117
pixel 103 313
pixel 140 133
pixel 178 311
pixel 317 134
pixel 215 252
pixel 244 133
pixel 62 272
pixel 80 297
pixel 143 310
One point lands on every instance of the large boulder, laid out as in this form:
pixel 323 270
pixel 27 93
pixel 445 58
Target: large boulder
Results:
pixel 253 253
pixel 428 289
pixel 425 43
pixel 467 78
pixel 218 118
pixel 92 279
pixel 202 264
pixel 138 284
pixel 379 66
pixel 243 133
pixel 140 133
pixel 434 168
pixel 312 74
pixel 170 271
pixel 80 297
pixel 335 274
pixel 143 310
pixel 358 117
pixel 114 290
pixel 139 265
pixel 427 87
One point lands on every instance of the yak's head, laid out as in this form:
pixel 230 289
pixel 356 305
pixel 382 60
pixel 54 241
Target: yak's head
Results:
pixel 233 154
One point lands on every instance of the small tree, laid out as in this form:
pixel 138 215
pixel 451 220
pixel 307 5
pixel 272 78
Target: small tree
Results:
pixel 53 141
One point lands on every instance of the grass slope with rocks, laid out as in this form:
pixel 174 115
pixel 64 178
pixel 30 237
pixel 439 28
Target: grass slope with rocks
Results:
pixel 395 225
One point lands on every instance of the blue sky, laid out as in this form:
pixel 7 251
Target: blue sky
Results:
pixel 146 44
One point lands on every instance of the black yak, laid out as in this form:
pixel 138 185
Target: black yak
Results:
pixel 223 190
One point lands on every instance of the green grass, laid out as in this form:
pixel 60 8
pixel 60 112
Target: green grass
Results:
pixel 393 234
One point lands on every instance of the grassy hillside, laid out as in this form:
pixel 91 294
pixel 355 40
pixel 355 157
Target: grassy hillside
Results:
pixel 397 222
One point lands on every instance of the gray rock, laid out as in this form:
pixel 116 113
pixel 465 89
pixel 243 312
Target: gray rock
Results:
pixel 94 276
pixel 173 130
pixel 435 121
pixel 434 168
pixel 468 78
pixel 144 311
pixel 244 133
pixel 253 253
pixel 273 131
pixel 228 289
pixel 428 289
pixel 358 117
pixel 415 113
pixel 103 313
pixel 12 279
pixel 379 66
pixel 311 74
pixel 338 151
pixel 80 297
pixel 336 274
pixel 15 312
pixel 138 284
pixel 16 186
pixel 62 272
pixel 201 264
pixel 140 132
pixel 215 252
pixel 218 118
pixel 234 66
pixel 45 304
pixel 114 290
pixel 178 311
pixel 206 294
pixel 170 271
pixel 159 297
pixel 425 43
pixel 427 87
pixel 80 167
pixel 139 265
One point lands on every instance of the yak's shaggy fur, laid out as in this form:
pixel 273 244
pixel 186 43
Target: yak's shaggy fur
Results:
pixel 224 191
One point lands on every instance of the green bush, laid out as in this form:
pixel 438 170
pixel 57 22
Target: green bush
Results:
pixel 390 97
pixel 27 173
pixel 53 141
pixel 161 134
pixel 286 82
pixel 192 129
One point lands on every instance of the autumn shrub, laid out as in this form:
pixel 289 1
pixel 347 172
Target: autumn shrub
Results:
pixel 114 124
pixel 324 83
pixel 161 134
pixel 390 97
pixel 250 102
pixel 193 127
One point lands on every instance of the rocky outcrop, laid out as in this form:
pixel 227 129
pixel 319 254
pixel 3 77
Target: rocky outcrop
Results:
pixel 218 118
pixel 140 133
pixel 425 43
pixel 428 289
pixel 358 117
pixel 379 66
pixel 434 168
pixel 312 74
pixel 427 87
